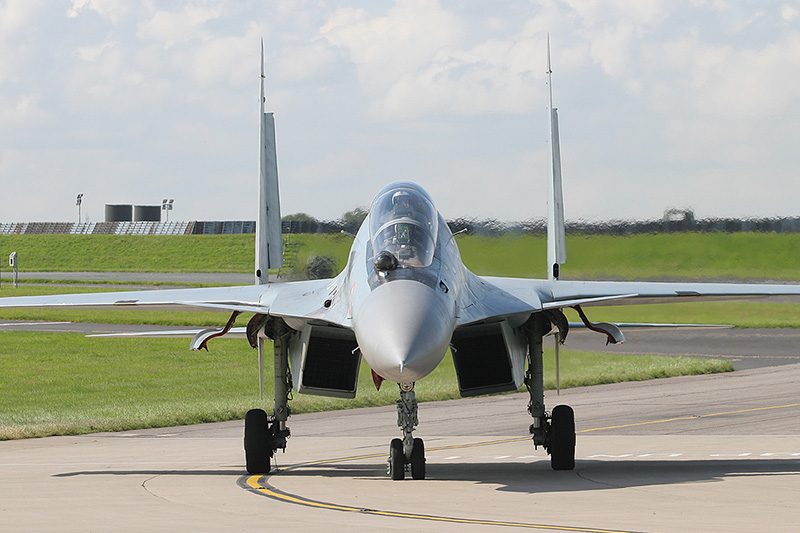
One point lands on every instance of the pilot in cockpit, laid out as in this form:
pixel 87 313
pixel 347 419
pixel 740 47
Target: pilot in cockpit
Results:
pixel 401 204
pixel 402 224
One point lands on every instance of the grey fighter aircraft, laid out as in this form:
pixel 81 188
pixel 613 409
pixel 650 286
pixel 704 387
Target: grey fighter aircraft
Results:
pixel 401 301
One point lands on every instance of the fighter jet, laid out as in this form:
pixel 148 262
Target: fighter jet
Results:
pixel 403 298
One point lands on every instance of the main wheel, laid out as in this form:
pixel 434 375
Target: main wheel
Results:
pixel 397 460
pixel 418 460
pixel 562 438
pixel 257 442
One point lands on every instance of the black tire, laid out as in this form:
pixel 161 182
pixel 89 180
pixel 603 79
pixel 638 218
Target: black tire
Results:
pixel 257 442
pixel 397 460
pixel 418 460
pixel 562 438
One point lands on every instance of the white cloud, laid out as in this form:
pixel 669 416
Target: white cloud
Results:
pixel 301 62
pixel 656 98
pixel 16 15
pixel 419 58
pixel 600 12
pixel 736 82
pixel 180 26
pixel 383 47
pixel 789 12
pixel 221 60
pixel 92 53
pixel 112 10
pixel 24 113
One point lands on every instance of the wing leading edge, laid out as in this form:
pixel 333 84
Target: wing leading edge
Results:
pixel 300 300
pixel 559 294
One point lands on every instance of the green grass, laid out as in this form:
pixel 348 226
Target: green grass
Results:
pixel 130 253
pixel 65 384
pixel 663 256
pixel 659 256
pixel 694 256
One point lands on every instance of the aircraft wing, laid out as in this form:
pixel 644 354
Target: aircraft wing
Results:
pixel 300 299
pixel 232 333
pixel 557 294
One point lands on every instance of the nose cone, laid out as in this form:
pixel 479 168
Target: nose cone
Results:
pixel 403 329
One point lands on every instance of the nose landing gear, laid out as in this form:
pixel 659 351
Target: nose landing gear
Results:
pixel 408 452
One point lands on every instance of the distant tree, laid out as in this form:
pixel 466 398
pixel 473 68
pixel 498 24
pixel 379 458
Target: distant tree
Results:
pixel 301 217
pixel 299 223
pixel 352 219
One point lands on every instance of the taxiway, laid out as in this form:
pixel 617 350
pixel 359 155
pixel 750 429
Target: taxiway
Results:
pixel 707 453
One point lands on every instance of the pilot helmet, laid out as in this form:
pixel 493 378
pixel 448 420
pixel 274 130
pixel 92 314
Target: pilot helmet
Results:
pixel 401 202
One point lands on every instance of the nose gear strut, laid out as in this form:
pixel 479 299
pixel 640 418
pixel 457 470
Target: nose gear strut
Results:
pixel 408 451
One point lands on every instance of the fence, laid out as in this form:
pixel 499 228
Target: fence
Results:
pixel 473 226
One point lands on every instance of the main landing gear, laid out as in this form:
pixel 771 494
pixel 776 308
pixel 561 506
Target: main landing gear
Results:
pixel 263 434
pixel 556 431
pixel 408 452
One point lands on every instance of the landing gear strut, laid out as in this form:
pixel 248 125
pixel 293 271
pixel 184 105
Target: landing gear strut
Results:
pixel 408 451
pixel 556 431
pixel 263 434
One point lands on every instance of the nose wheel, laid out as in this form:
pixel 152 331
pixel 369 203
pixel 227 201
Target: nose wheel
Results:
pixel 408 452
pixel 418 460
pixel 398 463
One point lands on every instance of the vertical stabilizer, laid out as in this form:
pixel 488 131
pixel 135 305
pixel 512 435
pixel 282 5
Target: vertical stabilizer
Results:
pixel 269 246
pixel 556 245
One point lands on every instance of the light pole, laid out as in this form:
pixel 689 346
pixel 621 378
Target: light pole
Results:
pixel 78 203
pixel 166 206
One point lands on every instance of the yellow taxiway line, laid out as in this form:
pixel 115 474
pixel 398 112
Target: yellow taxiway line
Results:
pixel 258 484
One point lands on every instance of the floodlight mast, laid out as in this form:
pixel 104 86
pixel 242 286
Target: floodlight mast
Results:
pixel 166 206
pixel 78 203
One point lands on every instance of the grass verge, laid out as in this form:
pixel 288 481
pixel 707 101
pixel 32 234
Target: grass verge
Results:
pixel 649 256
pixel 65 384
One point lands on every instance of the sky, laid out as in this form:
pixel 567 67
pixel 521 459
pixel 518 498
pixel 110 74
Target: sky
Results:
pixel 662 103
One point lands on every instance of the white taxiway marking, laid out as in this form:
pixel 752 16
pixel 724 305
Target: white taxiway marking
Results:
pixel 432 457
pixel 33 324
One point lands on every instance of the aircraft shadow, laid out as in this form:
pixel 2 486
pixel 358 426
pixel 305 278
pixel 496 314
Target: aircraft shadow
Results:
pixel 150 472
pixel 520 477
pixel 588 474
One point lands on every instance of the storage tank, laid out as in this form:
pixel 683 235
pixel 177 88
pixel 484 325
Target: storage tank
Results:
pixel 147 213
pixel 119 212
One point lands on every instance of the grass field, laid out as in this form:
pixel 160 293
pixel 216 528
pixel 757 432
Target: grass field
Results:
pixel 696 256
pixel 61 384
pixel 65 384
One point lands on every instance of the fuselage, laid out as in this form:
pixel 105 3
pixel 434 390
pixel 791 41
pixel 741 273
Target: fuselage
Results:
pixel 404 275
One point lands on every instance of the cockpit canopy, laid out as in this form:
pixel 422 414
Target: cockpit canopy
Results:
pixel 404 223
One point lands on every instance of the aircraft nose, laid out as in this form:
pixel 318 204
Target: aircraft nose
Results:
pixel 403 328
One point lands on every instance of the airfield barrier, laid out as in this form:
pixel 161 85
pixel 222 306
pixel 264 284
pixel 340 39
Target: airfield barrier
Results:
pixel 485 227
pixel 97 228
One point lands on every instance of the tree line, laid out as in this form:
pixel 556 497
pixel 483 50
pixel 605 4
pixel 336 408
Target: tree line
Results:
pixel 350 221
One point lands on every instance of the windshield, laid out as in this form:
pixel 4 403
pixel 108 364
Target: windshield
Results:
pixel 404 223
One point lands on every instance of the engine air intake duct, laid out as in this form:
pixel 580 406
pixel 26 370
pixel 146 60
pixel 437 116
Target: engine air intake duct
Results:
pixel 488 358
pixel 325 362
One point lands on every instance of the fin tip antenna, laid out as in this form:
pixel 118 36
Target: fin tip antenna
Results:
pixel 549 69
